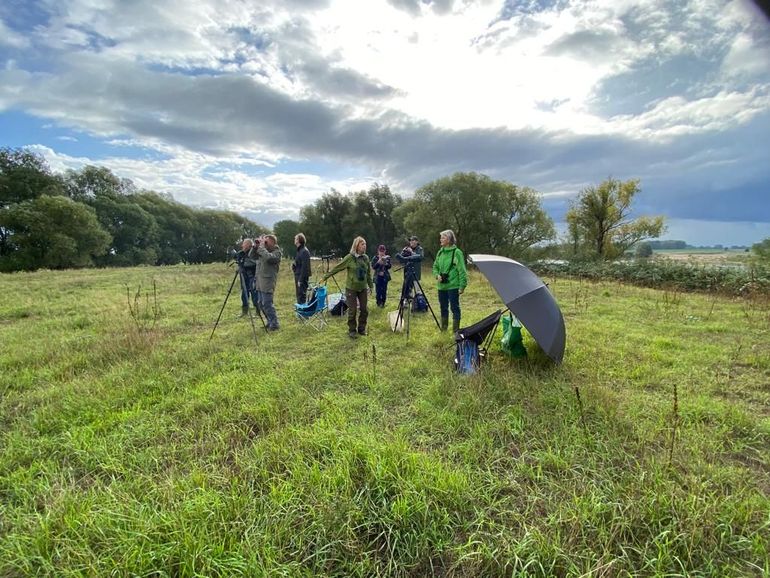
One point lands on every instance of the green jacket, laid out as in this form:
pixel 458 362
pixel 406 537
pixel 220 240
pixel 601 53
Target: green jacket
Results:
pixel 458 276
pixel 359 272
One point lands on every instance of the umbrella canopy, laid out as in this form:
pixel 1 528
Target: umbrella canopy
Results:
pixel 528 298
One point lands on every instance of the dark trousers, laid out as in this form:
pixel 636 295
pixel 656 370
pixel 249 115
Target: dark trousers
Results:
pixel 449 298
pixel 248 287
pixel 381 287
pixel 357 300
pixel 301 286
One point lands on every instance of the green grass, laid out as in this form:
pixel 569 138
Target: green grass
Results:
pixel 134 447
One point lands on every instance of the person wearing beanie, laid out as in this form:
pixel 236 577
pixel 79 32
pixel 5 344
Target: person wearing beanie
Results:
pixel 381 266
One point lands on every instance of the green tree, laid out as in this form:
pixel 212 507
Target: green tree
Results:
pixel 90 182
pixel 52 232
pixel 599 220
pixel 217 232
pixel 285 230
pixel 25 175
pixel 487 216
pixel 327 223
pixel 761 251
pixel 176 227
pixel 372 215
pixel 643 251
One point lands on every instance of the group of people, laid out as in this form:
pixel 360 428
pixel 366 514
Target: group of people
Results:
pixel 259 261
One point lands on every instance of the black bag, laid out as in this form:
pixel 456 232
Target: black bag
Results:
pixel 339 308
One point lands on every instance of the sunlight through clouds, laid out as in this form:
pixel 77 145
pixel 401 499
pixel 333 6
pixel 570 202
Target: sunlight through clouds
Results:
pixel 237 105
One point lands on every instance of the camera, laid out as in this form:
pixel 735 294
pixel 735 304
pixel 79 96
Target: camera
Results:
pixel 443 277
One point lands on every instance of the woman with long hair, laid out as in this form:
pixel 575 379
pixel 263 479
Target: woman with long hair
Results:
pixel 357 287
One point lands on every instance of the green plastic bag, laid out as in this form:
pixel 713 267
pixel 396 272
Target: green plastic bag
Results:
pixel 512 342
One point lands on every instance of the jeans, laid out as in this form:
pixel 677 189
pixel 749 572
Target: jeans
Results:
pixel 449 298
pixel 266 301
pixel 248 287
pixel 356 300
pixel 381 286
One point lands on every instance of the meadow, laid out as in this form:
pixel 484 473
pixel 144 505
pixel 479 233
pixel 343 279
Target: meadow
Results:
pixel 133 444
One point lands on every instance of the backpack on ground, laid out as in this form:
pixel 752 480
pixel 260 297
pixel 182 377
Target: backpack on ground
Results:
pixel 419 303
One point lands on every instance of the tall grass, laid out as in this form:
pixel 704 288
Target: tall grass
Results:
pixel 145 449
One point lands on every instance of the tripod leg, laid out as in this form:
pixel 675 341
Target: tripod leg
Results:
pixel 428 302
pixel 408 318
pixel 223 305
pixel 254 329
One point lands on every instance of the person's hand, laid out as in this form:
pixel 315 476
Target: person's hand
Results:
pixel 462 289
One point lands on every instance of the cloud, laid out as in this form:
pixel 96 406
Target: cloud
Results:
pixel 240 106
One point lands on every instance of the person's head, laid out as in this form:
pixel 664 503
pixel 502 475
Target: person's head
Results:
pixel 382 249
pixel 299 239
pixel 359 246
pixel 447 238
pixel 247 244
pixel 413 241
pixel 270 242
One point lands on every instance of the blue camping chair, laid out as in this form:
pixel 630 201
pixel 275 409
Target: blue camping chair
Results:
pixel 313 312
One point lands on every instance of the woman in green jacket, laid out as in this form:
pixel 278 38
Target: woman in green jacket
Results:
pixel 449 271
pixel 359 272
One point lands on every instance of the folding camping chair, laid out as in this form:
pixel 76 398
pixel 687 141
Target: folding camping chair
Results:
pixel 473 342
pixel 313 312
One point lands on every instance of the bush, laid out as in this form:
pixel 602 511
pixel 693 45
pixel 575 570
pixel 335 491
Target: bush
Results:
pixel 666 274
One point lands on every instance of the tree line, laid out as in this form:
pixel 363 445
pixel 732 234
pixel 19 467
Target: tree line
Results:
pixel 92 217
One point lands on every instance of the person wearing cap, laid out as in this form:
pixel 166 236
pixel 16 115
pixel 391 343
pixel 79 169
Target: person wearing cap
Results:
pixel 381 266
pixel 411 257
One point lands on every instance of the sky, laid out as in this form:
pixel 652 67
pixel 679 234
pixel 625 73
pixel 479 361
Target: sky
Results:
pixel 262 107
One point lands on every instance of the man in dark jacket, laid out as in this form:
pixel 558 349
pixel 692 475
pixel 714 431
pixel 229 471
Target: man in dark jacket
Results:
pixel 247 267
pixel 411 258
pixel 301 268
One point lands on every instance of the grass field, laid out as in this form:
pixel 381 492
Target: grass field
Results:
pixel 130 444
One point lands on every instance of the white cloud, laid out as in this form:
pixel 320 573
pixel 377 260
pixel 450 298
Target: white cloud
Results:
pixel 11 38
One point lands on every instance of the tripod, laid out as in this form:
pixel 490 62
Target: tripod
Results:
pixel 251 318
pixel 405 302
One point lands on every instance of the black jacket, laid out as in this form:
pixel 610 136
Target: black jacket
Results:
pixel 301 265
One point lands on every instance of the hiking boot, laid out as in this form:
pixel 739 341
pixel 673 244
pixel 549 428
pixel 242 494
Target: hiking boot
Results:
pixel 362 331
pixel 455 324
pixel 444 323
pixel 352 334
pixel 244 312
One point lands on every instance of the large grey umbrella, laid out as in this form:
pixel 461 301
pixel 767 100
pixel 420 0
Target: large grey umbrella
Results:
pixel 528 298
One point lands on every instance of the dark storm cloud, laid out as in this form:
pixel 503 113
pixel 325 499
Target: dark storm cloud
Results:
pixel 223 115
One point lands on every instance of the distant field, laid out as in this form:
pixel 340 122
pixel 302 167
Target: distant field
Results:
pixel 130 444
pixel 713 256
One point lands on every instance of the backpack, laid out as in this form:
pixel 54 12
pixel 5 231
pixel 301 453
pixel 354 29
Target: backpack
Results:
pixel 339 308
pixel 419 303
pixel 467 358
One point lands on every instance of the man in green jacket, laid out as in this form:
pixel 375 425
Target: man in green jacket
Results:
pixel 269 255
pixel 452 277
pixel 359 271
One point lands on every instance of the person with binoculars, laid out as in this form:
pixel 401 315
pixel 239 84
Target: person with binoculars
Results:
pixel 452 277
